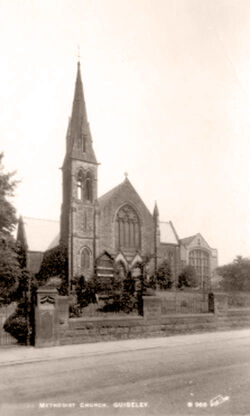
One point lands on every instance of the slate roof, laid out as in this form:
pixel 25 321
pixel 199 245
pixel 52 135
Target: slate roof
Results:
pixel 40 234
pixel 167 233
pixel 186 241
pixel 78 126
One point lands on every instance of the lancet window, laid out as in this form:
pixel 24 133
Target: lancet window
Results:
pixel 80 185
pixel 89 188
pixel 84 186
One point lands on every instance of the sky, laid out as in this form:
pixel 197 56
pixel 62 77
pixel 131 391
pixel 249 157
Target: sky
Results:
pixel 167 89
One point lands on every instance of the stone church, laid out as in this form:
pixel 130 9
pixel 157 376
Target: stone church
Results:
pixel 116 227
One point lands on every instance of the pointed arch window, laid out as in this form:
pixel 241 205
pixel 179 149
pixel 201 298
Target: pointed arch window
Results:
pixel 80 180
pixel 89 187
pixel 85 257
pixel 128 229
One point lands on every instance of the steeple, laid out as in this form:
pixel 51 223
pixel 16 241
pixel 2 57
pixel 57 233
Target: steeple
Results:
pixel 79 214
pixel 79 140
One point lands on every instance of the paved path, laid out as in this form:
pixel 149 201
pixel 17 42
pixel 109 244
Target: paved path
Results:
pixel 159 376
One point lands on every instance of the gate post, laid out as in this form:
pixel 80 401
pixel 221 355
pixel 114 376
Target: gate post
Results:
pixel 151 308
pixel 46 318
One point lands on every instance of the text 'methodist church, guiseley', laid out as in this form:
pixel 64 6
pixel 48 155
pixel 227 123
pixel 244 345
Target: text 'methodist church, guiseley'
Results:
pixel 116 227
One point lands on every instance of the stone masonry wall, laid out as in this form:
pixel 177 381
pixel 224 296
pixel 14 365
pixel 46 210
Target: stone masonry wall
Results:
pixel 89 330
pixel 125 194
pixel 152 324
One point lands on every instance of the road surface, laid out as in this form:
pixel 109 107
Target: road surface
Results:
pixel 183 375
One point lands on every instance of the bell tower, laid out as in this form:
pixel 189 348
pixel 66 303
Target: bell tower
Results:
pixel 79 183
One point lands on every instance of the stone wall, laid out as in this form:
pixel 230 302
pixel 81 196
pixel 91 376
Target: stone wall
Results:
pixel 82 330
pixel 109 205
pixel 152 324
pixel 238 300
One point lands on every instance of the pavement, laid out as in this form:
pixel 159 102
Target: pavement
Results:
pixel 14 355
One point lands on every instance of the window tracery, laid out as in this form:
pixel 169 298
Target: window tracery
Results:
pixel 128 230
pixel 199 259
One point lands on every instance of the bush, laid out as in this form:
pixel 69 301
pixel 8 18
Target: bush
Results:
pixel 21 323
pixel 85 291
pixel 16 324
pixel 235 276
pixel 187 278
pixel 164 276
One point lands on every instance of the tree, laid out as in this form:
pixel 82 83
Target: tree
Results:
pixel 188 277
pixel 164 276
pixel 7 211
pixel 10 270
pixel 235 275
pixel 55 264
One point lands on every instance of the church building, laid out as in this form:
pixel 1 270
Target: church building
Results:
pixel 116 227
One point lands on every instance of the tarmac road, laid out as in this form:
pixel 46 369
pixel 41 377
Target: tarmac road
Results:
pixel 180 375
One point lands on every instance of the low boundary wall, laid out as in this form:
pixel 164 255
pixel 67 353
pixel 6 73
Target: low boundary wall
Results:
pixel 152 324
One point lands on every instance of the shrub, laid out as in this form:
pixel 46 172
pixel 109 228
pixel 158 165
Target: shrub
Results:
pixel 21 323
pixel 187 278
pixel 235 276
pixel 17 325
pixel 164 276
pixel 152 282
pixel 85 291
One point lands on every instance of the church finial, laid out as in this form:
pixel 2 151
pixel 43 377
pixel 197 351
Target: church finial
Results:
pixel 126 176
pixel 78 55
pixel 156 211
pixel 21 234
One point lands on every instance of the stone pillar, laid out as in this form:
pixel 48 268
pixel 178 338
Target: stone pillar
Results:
pixel 220 304
pixel 46 318
pixel 63 310
pixel 151 308
pixel 211 302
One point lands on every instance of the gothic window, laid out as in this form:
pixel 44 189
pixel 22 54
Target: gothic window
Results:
pixel 127 229
pixel 199 259
pixel 85 259
pixel 80 185
pixel 88 188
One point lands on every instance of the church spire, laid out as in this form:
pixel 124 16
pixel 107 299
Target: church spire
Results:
pixel 79 140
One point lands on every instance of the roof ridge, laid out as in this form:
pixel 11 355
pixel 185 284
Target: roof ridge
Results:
pixel 40 219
